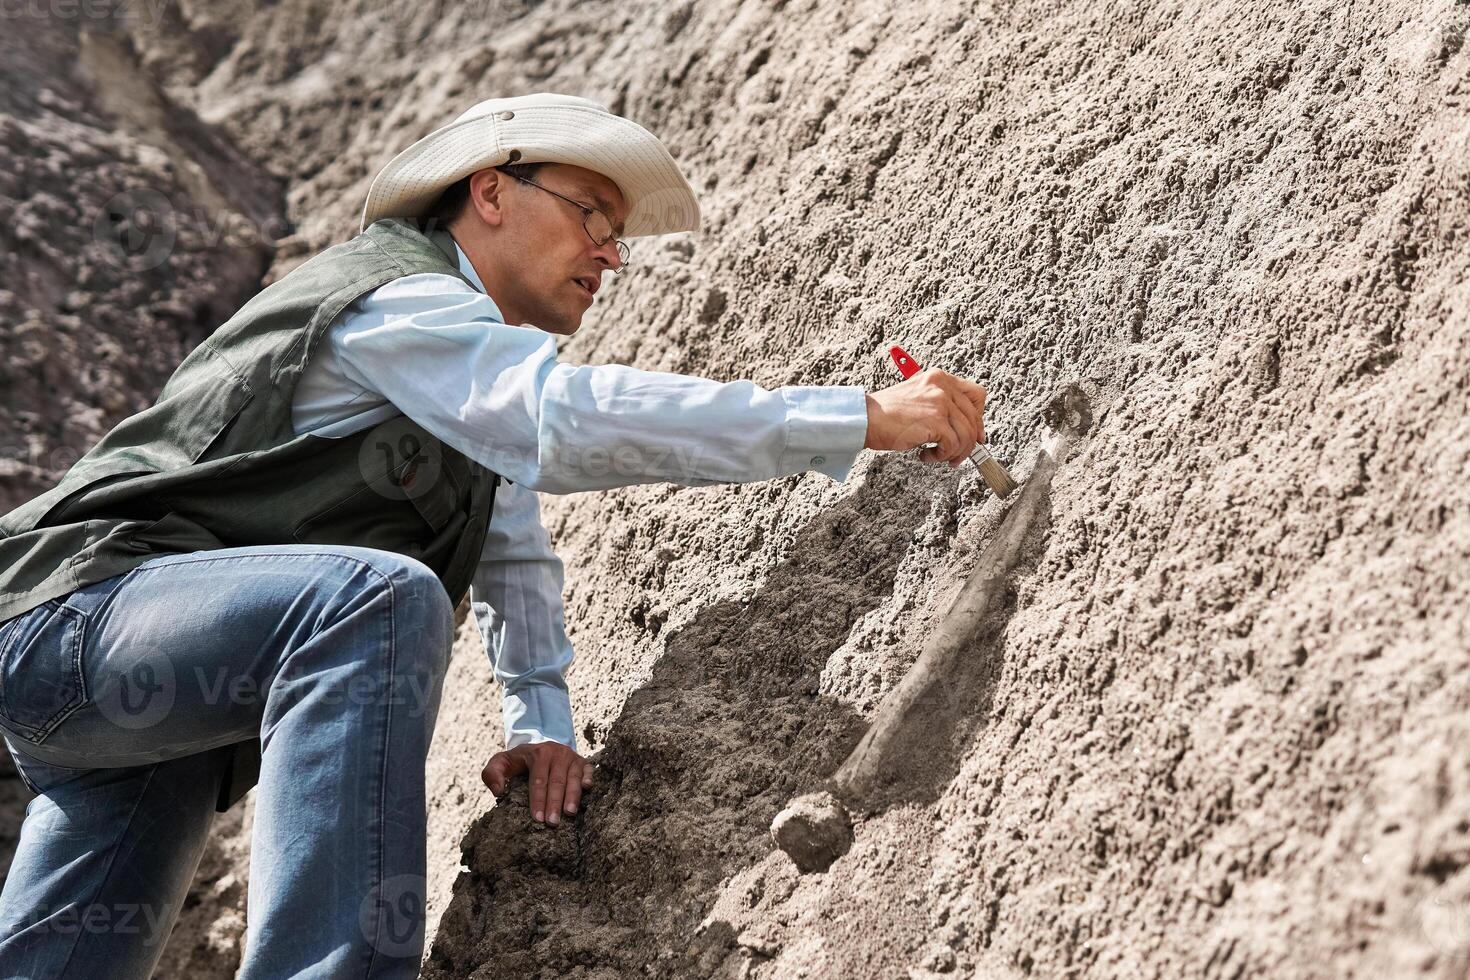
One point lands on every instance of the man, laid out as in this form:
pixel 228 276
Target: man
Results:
pixel 252 581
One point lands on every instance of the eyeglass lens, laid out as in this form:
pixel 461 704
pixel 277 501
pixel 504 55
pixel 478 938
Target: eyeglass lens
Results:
pixel 601 230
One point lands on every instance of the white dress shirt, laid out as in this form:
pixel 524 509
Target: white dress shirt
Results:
pixel 433 348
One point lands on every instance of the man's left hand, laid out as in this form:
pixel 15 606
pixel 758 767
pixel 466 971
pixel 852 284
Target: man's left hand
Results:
pixel 558 777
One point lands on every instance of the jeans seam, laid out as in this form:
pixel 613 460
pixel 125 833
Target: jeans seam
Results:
pixel 382 802
pixel 6 642
pixel 382 767
pixel 361 565
pixel 35 790
pixel 112 860
pixel 274 556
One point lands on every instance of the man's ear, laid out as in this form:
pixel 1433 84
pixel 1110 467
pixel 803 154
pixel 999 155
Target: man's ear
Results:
pixel 487 188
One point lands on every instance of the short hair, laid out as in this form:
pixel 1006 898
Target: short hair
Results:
pixel 450 203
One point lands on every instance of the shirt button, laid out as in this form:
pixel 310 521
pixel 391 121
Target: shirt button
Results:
pixel 818 460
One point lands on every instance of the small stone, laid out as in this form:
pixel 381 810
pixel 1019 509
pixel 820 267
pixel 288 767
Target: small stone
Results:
pixel 814 830
pixel 940 959
pixel 714 306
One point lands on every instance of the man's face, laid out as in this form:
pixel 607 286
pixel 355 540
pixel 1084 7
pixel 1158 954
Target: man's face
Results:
pixel 546 267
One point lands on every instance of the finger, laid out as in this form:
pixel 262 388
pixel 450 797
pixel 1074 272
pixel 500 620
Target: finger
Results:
pixel 556 791
pixel 948 439
pixel 972 398
pixel 973 434
pixel 500 769
pixel 976 396
pixel 575 782
pixel 973 393
pixel 962 416
pixel 932 454
pixel 493 775
pixel 586 774
pixel 540 774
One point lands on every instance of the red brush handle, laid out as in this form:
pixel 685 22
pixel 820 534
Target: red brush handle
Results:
pixel 907 366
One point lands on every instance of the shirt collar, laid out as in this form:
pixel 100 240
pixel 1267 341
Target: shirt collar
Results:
pixel 468 269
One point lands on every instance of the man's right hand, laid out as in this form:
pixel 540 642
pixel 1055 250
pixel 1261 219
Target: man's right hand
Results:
pixel 558 777
pixel 932 406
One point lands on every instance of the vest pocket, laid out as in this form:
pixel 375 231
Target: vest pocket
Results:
pixel 434 485
pixel 41 678
pixel 399 508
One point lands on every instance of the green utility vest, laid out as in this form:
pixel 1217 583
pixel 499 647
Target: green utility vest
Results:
pixel 216 463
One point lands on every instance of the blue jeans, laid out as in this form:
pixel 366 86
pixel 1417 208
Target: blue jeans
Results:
pixel 119 704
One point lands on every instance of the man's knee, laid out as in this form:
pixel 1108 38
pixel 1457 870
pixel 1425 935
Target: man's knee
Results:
pixel 421 606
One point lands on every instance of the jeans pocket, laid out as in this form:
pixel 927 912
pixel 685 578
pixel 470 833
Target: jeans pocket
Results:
pixel 41 678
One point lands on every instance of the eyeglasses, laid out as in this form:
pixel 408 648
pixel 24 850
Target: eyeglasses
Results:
pixel 596 224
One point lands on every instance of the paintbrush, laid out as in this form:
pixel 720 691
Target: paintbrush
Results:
pixel 991 471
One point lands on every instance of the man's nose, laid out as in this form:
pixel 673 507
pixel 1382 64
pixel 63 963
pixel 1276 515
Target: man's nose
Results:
pixel 607 254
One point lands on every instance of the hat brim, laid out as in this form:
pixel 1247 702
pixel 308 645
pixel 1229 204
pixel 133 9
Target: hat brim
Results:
pixel 659 200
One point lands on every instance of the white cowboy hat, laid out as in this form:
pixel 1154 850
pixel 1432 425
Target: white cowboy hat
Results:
pixel 542 128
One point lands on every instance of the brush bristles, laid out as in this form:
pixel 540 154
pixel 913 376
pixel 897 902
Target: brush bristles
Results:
pixel 995 476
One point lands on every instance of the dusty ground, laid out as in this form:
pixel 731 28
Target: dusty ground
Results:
pixel 1223 730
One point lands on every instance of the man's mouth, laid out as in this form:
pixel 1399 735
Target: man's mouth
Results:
pixel 588 283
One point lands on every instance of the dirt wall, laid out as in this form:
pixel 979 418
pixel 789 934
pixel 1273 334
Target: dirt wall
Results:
pixel 1221 731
